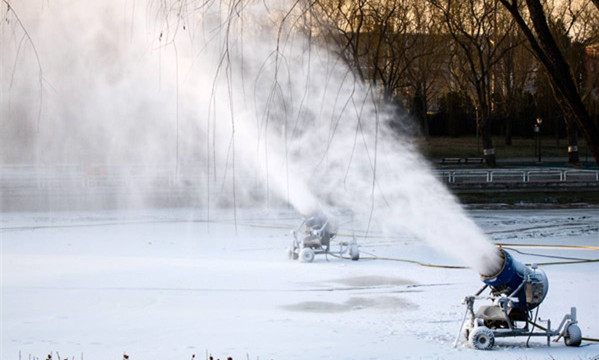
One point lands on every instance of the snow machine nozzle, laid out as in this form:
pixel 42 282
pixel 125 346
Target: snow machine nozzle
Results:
pixel 515 290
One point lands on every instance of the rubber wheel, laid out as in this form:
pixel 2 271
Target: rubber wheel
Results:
pixel 306 255
pixel 354 252
pixel 481 338
pixel 573 336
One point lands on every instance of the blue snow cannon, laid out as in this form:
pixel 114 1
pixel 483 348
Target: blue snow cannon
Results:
pixel 515 290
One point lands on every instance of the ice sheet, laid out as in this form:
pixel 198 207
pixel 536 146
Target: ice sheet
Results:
pixel 160 284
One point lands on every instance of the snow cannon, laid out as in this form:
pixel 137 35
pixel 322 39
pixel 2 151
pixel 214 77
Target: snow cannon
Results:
pixel 512 277
pixel 515 291
pixel 316 235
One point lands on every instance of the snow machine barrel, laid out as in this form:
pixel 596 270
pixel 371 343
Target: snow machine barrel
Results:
pixel 514 279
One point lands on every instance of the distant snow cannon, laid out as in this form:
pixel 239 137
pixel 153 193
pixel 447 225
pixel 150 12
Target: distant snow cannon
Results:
pixel 316 235
pixel 515 290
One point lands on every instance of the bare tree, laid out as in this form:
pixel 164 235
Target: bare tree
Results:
pixel 425 76
pixel 473 26
pixel 513 74
pixel 532 21
pixel 380 39
pixel 10 16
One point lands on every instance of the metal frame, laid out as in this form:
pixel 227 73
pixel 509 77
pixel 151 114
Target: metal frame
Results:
pixel 502 302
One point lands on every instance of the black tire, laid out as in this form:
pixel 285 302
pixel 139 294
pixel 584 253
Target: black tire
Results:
pixel 481 338
pixel 573 336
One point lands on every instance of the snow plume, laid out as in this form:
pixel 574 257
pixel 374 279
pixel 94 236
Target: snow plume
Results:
pixel 233 91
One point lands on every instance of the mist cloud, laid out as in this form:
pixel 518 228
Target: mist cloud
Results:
pixel 250 103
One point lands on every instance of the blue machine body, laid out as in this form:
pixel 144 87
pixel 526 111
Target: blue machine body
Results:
pixel 511 276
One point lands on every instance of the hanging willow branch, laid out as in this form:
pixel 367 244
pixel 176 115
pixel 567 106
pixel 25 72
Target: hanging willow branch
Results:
pixel 10 9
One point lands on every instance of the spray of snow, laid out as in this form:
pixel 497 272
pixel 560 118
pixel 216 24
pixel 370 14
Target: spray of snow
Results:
pixel 237 93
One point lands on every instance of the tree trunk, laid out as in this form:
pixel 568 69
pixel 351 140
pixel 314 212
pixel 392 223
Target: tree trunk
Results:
pixel 556 124
pixel 585 125
pixel 484 127
pixel 508 130
pixel 544 46
pixel 419 110
pixel 559 71
pixel 573 155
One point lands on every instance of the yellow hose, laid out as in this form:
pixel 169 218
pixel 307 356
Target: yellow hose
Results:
pixel 578 247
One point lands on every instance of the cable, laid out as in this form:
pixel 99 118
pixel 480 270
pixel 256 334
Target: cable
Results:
pixel 374 257
pixel 565 262
pixel 551 246
pixel 571 259
pixel 541 255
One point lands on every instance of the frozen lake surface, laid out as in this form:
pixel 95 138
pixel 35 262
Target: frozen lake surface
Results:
pixel 167 284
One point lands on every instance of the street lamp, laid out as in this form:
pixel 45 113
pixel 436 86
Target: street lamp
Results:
pixel 537 131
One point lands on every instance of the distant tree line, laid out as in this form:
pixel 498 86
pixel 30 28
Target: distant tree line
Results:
pixel 490 67
pixel 459 67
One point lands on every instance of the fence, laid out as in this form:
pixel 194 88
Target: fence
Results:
pixel 73 177
pixel 530 175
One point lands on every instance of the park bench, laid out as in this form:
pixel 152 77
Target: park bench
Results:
pixel 474 160
pixel 468 160
pixel 451 161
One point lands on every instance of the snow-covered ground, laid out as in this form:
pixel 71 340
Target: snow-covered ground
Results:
pixel 167 284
